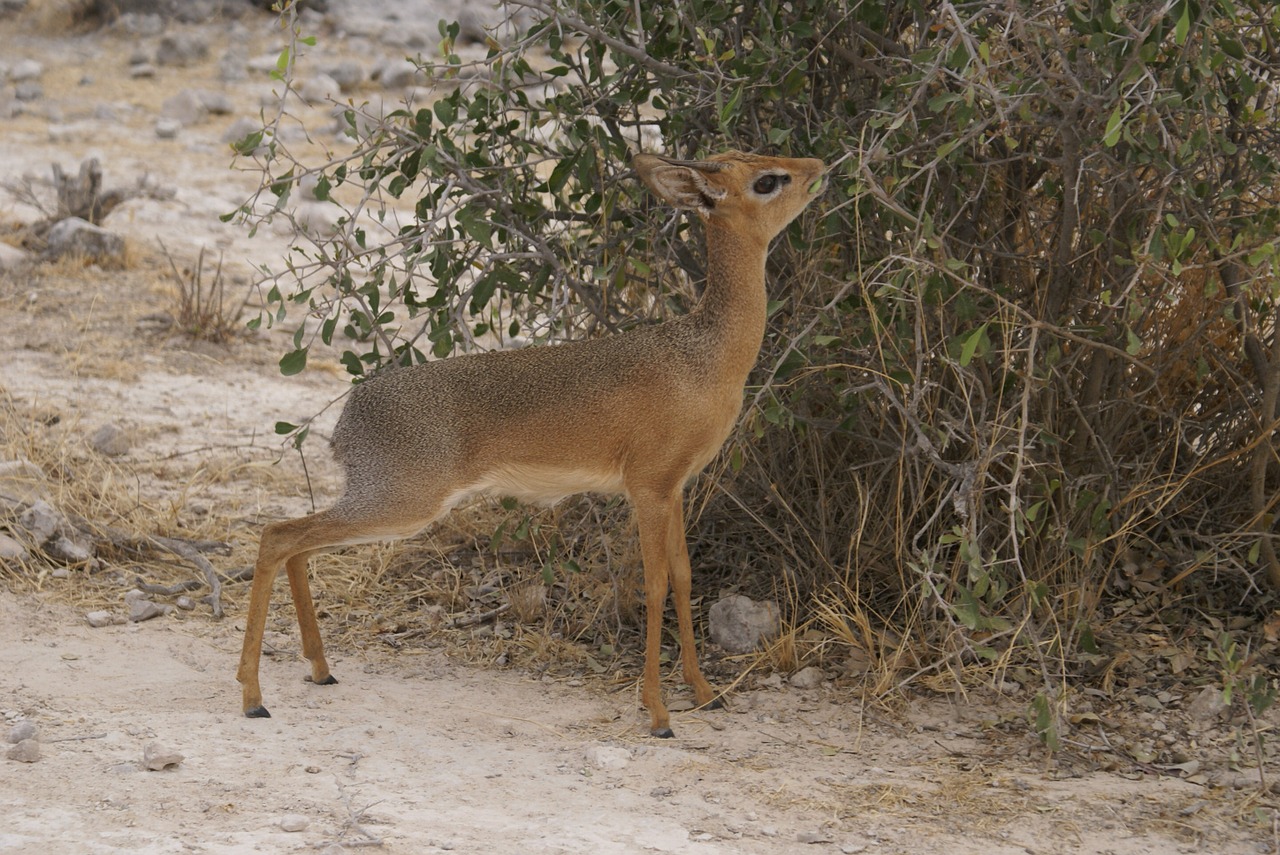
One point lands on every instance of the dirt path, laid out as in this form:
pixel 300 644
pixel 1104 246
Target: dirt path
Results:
pixel 425 757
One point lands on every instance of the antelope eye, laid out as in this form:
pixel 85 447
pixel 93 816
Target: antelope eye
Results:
pixel 765 184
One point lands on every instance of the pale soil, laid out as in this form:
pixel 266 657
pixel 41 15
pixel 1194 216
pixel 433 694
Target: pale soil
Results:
pixel 412 750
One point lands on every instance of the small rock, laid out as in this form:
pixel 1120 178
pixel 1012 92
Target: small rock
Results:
pixel 11 257
pixel 22 731
pixel 398 74
pixel 140 610
pixel 348 74
pixel 187 107
pixel 11 550
pixel 1207 705
pixel 27 69
pixel 813 837
pixel 156 757
pixel 808 678
pixel 217 103
pixel 26 751
pixel 181 49
pixel 77 237
pixel 142 71
pixel 294 822
pixel 167 129
pixel 320 87
pixel 99 619
pixel 69 550
pixel 185 603
pixel 110 440
pixel 28 90
pixel 609 757
pixel 22 482
pixel 318 219
pixel 41 522
pixel 739 624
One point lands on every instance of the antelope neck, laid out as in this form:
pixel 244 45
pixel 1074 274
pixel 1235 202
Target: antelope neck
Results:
pixel 732 308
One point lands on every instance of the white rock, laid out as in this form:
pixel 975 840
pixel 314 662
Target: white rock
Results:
pixel 99 619
pixel 41 522
pixel 26 751
pixel 187 107
pixel 294 822
pixel 23 730
pixel 157 757
pixel 27 69
pixel 608 757
pixel 808 678
pixel 11 257
pixel 140 610
pixel 11 550
pixel 739 624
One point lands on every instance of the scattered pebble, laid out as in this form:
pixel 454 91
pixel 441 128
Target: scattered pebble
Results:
pixel 813 837
pixel 608 757
pixel 27 69
pixel 140 610
pixel 1207 705
pixel 99 619
pixel 111 440
pixel 11 550
pixel 26 751
pixel 185 603
pixel 22 731
pixel 294 822
pixel 808 678
pixel 167 129
pixel 156 757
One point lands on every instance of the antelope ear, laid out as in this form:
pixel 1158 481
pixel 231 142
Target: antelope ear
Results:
pixel 679 185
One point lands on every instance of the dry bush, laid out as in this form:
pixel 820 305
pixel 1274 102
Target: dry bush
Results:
pixel 1021 376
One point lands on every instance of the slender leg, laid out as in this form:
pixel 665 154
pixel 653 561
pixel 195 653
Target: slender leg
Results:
pixel 264 575
pixel 653 515
pixel 681 587
pixel 312 646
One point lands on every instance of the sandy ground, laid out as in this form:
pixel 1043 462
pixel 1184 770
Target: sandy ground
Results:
pixel 412 752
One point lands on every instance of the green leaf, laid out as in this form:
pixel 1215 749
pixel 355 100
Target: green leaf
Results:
pixel 1134 345
pixel 1183 26
pixel 248 144
pixel 970 345
pixel 293 362
pixel 283 428
pixel 1114 126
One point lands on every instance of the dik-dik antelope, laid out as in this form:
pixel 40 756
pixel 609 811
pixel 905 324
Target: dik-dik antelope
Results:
pixel 637 414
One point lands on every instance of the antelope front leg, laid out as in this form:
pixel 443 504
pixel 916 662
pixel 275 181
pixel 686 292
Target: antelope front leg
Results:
pixel 653 516
pixel 312 646
pixel 681 591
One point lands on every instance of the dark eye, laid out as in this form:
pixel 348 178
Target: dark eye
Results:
pixel 766 184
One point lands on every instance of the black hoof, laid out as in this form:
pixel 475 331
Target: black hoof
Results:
pixel 327 681
pixel 257 712
pixel 713 704
pixel 662 732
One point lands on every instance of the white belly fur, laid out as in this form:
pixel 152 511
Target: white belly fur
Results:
pixel 538 485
